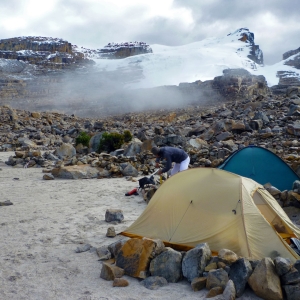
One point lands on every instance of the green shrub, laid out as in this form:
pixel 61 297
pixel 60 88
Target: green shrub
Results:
pixel 83 138
pixel 127 136
pixel 111 141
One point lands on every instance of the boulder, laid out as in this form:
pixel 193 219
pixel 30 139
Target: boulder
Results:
pixel 130 170
pixel 195 261
pixel 135 256
pixel 95 141
pixel 167 264
pixel 75 172
pixel 292 291
pixel 282 265
pixel 65 151
pixel 265 282
pixel 133 149
pixel 240 272
pixel 291 277
pixel 229 291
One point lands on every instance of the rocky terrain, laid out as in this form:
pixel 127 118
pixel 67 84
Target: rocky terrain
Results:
pixel 209 133
pixel 46 140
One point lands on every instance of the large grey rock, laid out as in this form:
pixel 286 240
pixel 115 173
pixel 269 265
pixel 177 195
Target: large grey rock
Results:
pixel 133 149
pixel 240 272
pixel 229 291
pixel 167 264
pixel 75 172
pixel 65 151
pixel 130 170
pixel 282 265
pixel 292 291
pixel 27 142
pixel 95 142
pixel 291 277
pixel 195 261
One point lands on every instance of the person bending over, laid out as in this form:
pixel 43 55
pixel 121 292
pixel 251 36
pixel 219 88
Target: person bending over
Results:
pixel 171 154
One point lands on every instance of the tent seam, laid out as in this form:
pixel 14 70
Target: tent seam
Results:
pixel 243 219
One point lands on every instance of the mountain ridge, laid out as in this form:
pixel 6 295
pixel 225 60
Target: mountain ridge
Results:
pixel 40 72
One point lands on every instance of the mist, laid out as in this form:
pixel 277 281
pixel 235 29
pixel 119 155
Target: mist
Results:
pixel 98 93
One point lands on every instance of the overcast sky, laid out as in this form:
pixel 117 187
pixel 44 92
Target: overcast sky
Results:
pixel 94 23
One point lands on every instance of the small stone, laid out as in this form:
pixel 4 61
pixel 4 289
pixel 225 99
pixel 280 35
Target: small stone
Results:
pixel 83 249
pixel 111 232
pixel 154 282
pixel 6 203
pixel 211 267
pixel 120 282
pixel 48 176
pixel 111 272
pixel 198 283
pixel 114 215
pixel 214 292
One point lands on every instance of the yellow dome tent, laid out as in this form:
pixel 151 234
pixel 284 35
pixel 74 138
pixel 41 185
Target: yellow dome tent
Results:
pixel 220 208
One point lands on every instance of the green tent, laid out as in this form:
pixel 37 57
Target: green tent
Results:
pixel 261 165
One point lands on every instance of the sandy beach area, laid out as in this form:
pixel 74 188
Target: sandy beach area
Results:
pixel 48 220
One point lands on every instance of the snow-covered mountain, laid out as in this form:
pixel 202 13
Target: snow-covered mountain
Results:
pixel 42 73
pixel 201 60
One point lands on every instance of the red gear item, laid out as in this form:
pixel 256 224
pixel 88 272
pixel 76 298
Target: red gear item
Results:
pixel 131 192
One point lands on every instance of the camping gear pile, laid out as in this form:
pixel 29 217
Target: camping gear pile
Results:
pixel 147 186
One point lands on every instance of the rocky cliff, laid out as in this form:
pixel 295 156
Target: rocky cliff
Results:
pixel 255 52
pixel 116 50
pixel 50 52
pixel 289 78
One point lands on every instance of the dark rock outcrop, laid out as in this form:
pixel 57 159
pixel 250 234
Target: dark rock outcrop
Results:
pixel 248 37
pixel 52 52
pixel 288 79
pixel 123 50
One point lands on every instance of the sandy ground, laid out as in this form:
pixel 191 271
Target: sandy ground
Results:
pixel 48 220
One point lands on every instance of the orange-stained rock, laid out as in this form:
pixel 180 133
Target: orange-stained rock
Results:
pixel 134 257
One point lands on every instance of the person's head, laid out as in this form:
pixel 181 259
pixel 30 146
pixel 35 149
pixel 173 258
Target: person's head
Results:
pixel 155 151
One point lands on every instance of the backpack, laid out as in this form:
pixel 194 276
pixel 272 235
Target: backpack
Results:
pixel 145 181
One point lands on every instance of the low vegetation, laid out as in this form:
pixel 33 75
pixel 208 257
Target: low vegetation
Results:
pixel 83 138
pixel 112 141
